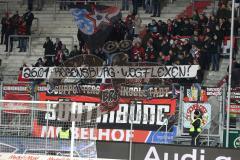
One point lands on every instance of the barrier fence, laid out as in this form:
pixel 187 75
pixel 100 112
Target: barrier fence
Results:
pixel 33 124
pixel 28 42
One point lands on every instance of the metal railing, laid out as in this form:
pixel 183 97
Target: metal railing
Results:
pixel 55 36
pixel 10 43
pixel 30 39
pixel 165 124
pixel 208 130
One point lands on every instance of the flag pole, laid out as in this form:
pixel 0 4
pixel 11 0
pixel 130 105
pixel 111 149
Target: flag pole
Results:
pixel 230 74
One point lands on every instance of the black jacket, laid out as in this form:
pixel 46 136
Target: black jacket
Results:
pixel 28 18
pixel 49 48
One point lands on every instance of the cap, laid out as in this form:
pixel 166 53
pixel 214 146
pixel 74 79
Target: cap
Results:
pixel 197 112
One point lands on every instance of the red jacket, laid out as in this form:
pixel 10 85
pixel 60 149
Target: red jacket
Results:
pixel 138 54
pixel 22 30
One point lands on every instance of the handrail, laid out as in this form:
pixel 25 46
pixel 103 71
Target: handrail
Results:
pixel 36 36
pixel 212 129
pixel 203 129
pixel 55 36
pixel 24 36
pixel 164 124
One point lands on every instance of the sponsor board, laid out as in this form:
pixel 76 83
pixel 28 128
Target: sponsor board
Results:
pixel 16 96
pixel 235 93
pixel 188 113
pixel 235 101
pixel 234 138
pixel 235 108
pixel 30 145
pixel 120 135
pixel 163 152
pixel 22 87
pixel 178 71
pixel 214 91
pixel 11 156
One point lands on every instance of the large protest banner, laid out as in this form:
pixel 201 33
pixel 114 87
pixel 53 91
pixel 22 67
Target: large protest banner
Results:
pixel 146 115
pixel 114 72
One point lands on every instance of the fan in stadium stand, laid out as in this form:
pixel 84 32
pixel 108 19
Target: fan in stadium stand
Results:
pixel 95 23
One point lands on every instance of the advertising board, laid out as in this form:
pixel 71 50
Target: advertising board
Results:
pixel 142 151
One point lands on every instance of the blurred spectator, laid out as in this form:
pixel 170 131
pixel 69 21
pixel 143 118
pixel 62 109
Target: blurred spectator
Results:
pixel 39 63
pixel 58 45
pixel 150 52
pixel 223 12
pixel 65 51
pixel 195 16
pixel 4 27
pixel 20 78
pixel 80 40
pixel 138 53
pixel 9 31
pixel 22 30
pixel 36 82
pixel 40 4
pixel 49 50
pixel 125 5
pixel 15 20
pixel 30 5
pixel 156 6
pixel 129 26
pixel 28 18
pixel 215 53
pixel 59 58
pixel 135 6
pixel 46 62
pixel 148 6
pixel 74 52
pixel 63 5
pixel 137 25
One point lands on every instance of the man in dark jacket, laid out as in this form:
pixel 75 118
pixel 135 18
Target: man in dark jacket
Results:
pixel 28 17
pixel 135 7
pixel 30 4
pixel 157 7
pixel 9 31
pixel 49 50
pixel 213 50
pixel 4 27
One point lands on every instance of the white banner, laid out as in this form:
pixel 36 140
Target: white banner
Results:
pixel 188 113
pixel 178 71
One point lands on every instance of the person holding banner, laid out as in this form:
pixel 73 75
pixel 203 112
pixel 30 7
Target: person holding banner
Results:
pixel 196 128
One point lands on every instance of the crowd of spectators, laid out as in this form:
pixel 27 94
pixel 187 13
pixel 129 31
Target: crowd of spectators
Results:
pixel 16 25
pixel 182 41
pixel 194 40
